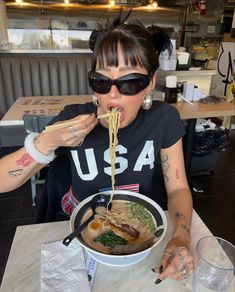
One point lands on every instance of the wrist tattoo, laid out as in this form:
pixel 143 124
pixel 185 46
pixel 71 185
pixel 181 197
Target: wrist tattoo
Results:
pixel 165 167
pixel 186 228
pixel 36 141
pixel 25 160
pixel 17 172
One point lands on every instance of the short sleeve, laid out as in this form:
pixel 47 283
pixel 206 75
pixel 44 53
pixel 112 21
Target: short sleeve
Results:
pixel 71 111
pixel 173 127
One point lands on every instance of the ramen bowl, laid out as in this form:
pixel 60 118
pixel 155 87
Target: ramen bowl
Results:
pixel 120 260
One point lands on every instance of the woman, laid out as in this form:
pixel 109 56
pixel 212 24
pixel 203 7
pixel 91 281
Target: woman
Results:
pixel 123 76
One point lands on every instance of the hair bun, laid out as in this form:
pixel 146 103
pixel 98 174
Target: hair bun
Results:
pixel 160 39
pixel 95 35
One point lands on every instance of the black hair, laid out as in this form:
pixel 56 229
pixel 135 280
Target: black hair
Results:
pixel 140 45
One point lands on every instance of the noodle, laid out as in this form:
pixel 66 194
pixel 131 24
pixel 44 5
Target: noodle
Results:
pixel 113 122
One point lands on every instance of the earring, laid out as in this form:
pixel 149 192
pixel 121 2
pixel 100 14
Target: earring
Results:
pixel 95 100
pixel 147 102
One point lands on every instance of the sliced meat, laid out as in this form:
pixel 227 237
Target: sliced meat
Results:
pixel 125 231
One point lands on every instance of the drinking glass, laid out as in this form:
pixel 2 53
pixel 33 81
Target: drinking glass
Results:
pixel 214 265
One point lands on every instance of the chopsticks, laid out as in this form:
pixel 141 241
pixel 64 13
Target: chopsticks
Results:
pixel 185 99
pixel 54 127
pixel 59 126
pixel 103 116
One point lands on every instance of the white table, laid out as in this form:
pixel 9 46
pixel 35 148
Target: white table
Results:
pixel 23 268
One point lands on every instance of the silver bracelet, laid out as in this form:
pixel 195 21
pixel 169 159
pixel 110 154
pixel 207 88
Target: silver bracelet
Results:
pixel 33 151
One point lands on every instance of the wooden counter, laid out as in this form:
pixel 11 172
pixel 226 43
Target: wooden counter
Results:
pixel 201 110
pixel 12 132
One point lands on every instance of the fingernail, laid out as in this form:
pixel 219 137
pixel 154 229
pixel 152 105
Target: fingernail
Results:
pixel 158 281
pixel 153 270
pixel 160 269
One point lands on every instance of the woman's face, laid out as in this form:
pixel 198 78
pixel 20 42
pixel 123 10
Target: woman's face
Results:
pixel 128 106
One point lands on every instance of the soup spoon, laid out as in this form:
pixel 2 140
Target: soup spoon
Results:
pixel 99 204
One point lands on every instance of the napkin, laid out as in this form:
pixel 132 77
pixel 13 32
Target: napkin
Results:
pixel 63 268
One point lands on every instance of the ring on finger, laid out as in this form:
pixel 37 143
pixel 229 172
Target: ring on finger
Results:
pixel 183 272
pixel 185 269
pixel 71 130
pixel 167 253
pixel 80 143
pixel 181 258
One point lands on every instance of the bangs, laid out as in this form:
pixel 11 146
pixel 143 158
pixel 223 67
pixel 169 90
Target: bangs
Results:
pixel 107 54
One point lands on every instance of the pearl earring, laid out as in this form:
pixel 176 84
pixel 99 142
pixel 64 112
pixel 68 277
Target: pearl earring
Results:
pixel 147 102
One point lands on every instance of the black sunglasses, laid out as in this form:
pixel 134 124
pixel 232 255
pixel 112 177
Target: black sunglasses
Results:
pixel 130 84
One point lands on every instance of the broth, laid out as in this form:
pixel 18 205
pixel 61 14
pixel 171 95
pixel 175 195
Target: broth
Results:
pixel 127 228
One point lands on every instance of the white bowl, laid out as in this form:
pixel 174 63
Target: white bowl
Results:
pixel 129 259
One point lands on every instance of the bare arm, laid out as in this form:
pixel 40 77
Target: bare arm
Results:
pixel 16 168
pixel 177 261
pixel 179 195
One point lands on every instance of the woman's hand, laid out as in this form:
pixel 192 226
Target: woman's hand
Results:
pixel 177 261
pixel 70 136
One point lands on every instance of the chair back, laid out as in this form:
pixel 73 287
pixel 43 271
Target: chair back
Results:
pixel 35 123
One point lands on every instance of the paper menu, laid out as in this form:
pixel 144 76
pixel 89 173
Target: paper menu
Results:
pixel 42 100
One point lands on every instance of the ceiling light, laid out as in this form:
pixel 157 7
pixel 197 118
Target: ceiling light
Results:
pixel 111 3
pixel 19 2
pixel 154 4
pixel 66 3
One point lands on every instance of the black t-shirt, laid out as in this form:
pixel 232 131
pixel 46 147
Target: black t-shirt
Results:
pixel 136 153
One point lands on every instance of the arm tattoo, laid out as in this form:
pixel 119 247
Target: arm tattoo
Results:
pixel 25 160
pixel 177 173
pixel 185 227
pixel 179 216
pixel 17 172
pixel 165 167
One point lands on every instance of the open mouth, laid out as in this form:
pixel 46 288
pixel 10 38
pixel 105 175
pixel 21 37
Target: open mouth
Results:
pixel 119 110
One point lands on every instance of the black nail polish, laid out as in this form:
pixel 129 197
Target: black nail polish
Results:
pixel 160 269
pixel 158 281
pixel 153 270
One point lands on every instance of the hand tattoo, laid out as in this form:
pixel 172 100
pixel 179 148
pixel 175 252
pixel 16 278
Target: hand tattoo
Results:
pixel 36 142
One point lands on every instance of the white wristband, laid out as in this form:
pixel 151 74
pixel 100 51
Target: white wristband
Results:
pixel 34 153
